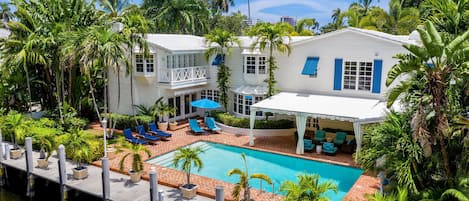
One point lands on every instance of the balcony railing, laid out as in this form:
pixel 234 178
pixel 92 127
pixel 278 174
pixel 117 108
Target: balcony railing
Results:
pixel 182 75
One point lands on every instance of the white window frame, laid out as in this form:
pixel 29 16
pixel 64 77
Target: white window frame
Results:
pixel 211 94
pixel 359 79
pixel 146 63
pixel 257 64
pixel 241 102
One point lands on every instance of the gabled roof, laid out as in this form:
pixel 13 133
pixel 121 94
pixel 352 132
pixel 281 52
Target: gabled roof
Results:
pixel 246 41
pixel 396 39
pixel 177 42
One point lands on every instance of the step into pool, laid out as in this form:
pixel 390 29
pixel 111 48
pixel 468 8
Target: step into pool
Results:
pixel 218 159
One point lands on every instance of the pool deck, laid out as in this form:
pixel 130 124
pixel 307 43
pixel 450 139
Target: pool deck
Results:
pixel 281 145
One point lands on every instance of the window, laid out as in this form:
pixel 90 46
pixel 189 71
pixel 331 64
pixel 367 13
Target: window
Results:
pixel 251 65
pixel 210 94
pixel 242 104
pixel 139 63
pixel 181 60
pixel 146 65
pixel 261 65
pixel 358 75
pixel 255 63
pixel 312 123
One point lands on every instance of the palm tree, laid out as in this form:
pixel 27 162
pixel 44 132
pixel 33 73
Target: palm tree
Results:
pixel 77 146
pixel 135 151
pixel 366 4
pixel 434 64
pixel 220 43
pixel 401 195
pixel 5 13
pixel 221 5
pixel 306 23
pixel 186 159
pixel 18 125
pixel 275 38
pixel 180 16
pixel 308 188
pixel 244 178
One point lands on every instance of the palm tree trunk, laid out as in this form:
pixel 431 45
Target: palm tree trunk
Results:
pixel 132 86
pixel 28 87
pixel 70 77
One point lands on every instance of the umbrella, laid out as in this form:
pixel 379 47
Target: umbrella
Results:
pixel 205 104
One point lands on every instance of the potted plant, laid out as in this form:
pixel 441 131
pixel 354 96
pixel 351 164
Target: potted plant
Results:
pixel 46 143
pixel 173 124
pixel 163 110
pixel 135 152
pixel 185 159
pixel 17 124
pixel 77 146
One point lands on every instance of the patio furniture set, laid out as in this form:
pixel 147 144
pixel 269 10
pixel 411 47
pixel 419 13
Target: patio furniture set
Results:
pixel 210 125
pixel 143 137
pixel 329 145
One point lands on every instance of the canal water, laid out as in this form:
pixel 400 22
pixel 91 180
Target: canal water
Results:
pixel 7 195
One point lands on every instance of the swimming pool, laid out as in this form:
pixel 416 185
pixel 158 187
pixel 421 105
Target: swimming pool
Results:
pixel 218 159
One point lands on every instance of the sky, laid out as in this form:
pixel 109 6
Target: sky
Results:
pixel 272 10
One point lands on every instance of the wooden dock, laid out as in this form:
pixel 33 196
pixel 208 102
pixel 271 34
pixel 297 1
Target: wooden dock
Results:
pixel 121 189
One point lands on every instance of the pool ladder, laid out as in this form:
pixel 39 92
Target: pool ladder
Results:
pixel 273 187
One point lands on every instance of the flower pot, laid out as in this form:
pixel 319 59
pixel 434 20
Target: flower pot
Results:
pixel 80 173
pixel 16 153
pixel 173 126
pixel 189 191
pixel 318 149
pixel 135 177
pixel 42 163
pixel 163 126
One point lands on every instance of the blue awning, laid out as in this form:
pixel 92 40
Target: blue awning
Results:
pixel 217 61
pixel 311 66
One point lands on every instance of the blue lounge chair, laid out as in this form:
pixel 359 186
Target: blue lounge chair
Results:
pixel 210 121
pixel 194 125
pixel 329 148
pixel 319 136
pixel 308 145
pixel 142 133
pixel 129 137
pixel 340 138
pixel 157 132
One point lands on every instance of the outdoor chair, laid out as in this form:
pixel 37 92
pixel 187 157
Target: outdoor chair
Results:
pixel 349 146
pixel 340 138
pixel 308 145
pixel 194 125
pixel 319 136
pixel 129 137
pixel 157 132
pixel 141 132
pixel 210 121
pixel 329 148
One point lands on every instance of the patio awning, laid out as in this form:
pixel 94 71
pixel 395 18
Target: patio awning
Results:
pixel 326 107
pixel 356 110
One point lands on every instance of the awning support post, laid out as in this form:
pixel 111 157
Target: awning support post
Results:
pixel 301 127
pixel 252 119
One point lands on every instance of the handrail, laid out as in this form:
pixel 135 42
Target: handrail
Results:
pixel 186 74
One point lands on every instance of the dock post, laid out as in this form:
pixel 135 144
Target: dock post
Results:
pixel 153 185
pixel 161 196
pixel 219 193
pixel 29 167
pixel 62 172
pixel 105 178
pixel 7 151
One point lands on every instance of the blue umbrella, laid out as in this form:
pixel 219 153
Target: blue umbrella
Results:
pixel 205 104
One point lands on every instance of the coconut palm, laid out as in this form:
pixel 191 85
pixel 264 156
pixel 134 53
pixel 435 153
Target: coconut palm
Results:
pixel 5 13
pixel 221 5
pixel 244 178
pixel 308 188
pixel 440 59
pixel 135 151
pixel 274 38
pixel 220 43
pixel 449 15
pixel 16 123
pixel 186 159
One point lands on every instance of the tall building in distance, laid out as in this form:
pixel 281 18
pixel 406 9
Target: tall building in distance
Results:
pixel 289 20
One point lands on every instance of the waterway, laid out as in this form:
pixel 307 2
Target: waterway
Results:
pixel 7 195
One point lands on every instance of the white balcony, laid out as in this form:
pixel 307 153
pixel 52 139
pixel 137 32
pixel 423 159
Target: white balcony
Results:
pixel 183 77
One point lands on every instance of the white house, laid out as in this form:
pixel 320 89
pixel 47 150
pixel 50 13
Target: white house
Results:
pixel 350 63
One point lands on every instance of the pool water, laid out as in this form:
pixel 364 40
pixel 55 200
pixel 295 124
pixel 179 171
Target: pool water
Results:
pixel 218 159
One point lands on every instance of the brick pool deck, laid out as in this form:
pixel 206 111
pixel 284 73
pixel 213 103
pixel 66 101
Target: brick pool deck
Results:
pixel 282 145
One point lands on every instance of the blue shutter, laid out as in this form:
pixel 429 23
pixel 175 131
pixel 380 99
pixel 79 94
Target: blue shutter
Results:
pixel 217 61
pixel 338 74
pixel 377 71
pixel 311 66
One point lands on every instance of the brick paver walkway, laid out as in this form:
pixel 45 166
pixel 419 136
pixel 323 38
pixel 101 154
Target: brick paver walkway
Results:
pixel 282 145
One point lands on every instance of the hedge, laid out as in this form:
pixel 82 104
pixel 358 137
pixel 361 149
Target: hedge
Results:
pixel 128 121
pixel 242 122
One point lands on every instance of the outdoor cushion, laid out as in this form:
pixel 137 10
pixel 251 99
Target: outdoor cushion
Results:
pixel 210 121
pixel 308 145
pixel 142 133
pixel 329 148
pixel 129 137
pixel 155 131
pixel 340 138
pixel 320 135
pixel 194 125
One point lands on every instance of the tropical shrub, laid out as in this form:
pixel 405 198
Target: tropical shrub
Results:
pixel 135 152
pixel 242 122
pixel 127 121
pixel 77 146
pixel 74 123
pixel 186 159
